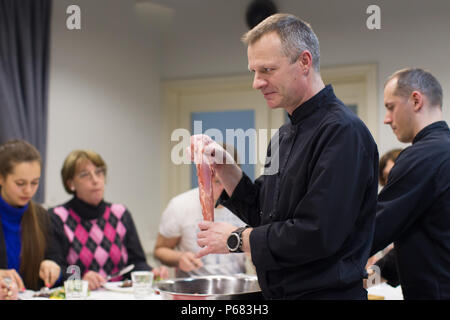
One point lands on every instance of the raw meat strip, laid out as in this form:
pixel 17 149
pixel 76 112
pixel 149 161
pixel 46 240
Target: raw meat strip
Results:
pixel 204 176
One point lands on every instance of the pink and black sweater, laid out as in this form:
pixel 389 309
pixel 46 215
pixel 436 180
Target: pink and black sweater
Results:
pixel 102 239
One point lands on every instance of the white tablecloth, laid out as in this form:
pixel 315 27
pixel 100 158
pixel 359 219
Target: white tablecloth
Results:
pixel 383 289
pixel 388 292
pixel 99 294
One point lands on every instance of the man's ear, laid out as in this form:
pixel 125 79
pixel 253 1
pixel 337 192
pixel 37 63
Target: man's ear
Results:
pixel 417 99
pixel 305 60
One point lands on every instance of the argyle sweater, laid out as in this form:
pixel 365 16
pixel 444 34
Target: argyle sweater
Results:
pixel 101 239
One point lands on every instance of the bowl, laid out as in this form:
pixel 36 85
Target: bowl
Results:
pixel 236 287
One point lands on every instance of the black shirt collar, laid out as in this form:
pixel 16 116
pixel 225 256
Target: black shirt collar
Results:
pixel 308 107
pixel 85 210
pixel 439 125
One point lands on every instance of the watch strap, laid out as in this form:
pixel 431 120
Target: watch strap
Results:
pixel 239 232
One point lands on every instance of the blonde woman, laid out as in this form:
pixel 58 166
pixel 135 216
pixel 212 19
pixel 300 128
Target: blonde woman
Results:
pixel 98 236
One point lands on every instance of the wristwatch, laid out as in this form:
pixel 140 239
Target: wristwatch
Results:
pixel 234 241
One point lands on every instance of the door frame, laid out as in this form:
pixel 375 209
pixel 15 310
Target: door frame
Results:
pixel 366 74
pixel 177 177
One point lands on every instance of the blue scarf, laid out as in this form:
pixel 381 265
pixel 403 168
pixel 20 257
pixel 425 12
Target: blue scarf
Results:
pixel 11 219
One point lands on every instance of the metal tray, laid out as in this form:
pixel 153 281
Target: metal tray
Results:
pixel 236 287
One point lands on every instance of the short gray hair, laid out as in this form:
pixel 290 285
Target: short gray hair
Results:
pixel 416 79
pixel 295 35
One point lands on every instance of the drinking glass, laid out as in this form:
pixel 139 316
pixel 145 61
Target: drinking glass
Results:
pixel 76 289
pixel 142 283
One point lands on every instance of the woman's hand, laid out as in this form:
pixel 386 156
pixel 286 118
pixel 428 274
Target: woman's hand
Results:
pixel 161 272
pixel 96 280
pixel 49 272
pixel 14 276
pixel 8 289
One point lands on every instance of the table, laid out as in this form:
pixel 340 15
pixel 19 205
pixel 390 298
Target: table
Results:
pixel 388 292
pixel 99 294
pixel 383 289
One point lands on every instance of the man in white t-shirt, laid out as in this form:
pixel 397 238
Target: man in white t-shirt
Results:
pixel 176 244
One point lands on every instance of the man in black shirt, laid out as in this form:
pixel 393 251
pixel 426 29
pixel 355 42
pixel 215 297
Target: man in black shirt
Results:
pixel 414 207
pixel 313 218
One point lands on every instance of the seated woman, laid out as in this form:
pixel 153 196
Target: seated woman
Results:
pixel 176 244
pixel 97 236
pixel 387 161
pixel 24 225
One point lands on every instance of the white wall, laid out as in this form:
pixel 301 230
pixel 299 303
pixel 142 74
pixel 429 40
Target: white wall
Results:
pixel 413 33
pixel 105 79
pixel 104 95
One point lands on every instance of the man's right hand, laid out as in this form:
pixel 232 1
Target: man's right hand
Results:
pixel 189 262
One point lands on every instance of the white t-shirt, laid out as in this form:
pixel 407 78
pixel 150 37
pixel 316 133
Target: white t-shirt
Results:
pixel 181 218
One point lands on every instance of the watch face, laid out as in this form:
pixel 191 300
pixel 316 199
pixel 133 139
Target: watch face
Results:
pixel 233 242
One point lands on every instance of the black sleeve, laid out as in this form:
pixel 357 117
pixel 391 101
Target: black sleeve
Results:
pixel 58 244
pixel 135 251
pixel 330 209
pixel 45 220
pixel 388 268
pixel 326 214
pixel 244 200
pixel 408 194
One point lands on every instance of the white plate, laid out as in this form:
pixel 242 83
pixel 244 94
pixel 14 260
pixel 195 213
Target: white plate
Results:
pixel 30 295
pixel 116 286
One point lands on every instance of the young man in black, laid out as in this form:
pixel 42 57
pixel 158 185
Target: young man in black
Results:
pixel 414 207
